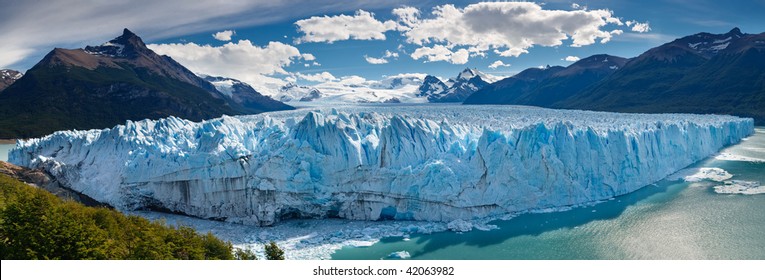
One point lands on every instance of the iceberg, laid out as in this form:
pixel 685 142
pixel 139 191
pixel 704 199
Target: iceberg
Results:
pixel 406 162
pixel 700 174
pixel 402 255
pixel 740 187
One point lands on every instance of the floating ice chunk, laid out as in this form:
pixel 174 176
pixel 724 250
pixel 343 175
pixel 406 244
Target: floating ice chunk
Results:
pixel 700 174
pixel 400 255
pixel 740 187
pixel 733 157
pixel 485 227
pixel 460 226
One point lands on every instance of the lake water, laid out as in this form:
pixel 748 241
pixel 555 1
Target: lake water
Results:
pixel 4 148
pixel 669 220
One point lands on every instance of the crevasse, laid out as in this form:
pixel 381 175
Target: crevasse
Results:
pixel 436 163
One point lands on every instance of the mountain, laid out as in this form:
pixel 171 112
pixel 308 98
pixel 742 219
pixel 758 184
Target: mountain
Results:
pixel 509 90
pixel 399 81
pixel 701 73
pixel 8 77
pixel 354 89
pixel 431 86
pixel 548 85
pixel 293 92
pixel 243 94
pixel 466 83
pixel 101 86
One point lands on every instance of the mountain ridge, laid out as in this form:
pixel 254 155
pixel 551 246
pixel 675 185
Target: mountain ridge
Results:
pixel 726 76
pixel 699 73
pixel 101 86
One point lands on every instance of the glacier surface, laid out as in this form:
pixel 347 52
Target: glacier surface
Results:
pixel 426 162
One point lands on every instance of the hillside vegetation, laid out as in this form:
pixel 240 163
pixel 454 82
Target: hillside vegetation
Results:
pixel 35 224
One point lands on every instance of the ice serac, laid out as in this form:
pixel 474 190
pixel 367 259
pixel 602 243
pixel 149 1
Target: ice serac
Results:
pixel 408 162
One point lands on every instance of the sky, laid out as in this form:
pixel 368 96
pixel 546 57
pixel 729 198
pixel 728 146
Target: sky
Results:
pixel 312 41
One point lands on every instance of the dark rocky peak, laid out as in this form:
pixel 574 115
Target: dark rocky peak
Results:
pixel 431 79
pixel 127 45
pixel 735 32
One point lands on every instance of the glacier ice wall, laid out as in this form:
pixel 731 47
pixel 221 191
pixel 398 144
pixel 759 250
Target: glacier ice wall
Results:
pixel 438 163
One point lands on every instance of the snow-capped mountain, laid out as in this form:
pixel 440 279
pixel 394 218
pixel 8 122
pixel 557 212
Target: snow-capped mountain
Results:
pixel 436 163
pixel 8 77
pixel 431 86
pixel 240 92
pixel 466 83
pixel 401 88
pixel 292 92
pixel 399 81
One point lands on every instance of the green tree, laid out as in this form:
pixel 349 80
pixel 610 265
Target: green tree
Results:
pixel 245 255
pixel 35 224
pixel 273 252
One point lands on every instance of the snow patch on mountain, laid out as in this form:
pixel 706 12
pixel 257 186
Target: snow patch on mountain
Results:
pixel 434 163
pixel 225 86
pixel 10 74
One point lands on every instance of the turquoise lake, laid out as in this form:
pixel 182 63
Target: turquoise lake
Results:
pixel 668 220
pixel 4 148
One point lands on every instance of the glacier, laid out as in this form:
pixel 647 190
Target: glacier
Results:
pixel 408 162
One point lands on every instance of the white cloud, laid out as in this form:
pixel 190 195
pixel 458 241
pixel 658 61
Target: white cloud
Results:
pixel 407 17
pixel 373 60
pixel 352 80
pixel 639 27
pixel 383 59
pixel 308 57
pixel 11 54
pixel 242 60
pixel 390 54
pixel 318 77
pixel 571 58
pixel 224 35
pixel 441 53
pixel 497 64
pixel 575 6
pixel 507 28
pixel 654 38
pixel 30 29
pixel 360 26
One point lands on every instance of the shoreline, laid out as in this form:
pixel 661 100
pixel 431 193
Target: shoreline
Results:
pixel 7 141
